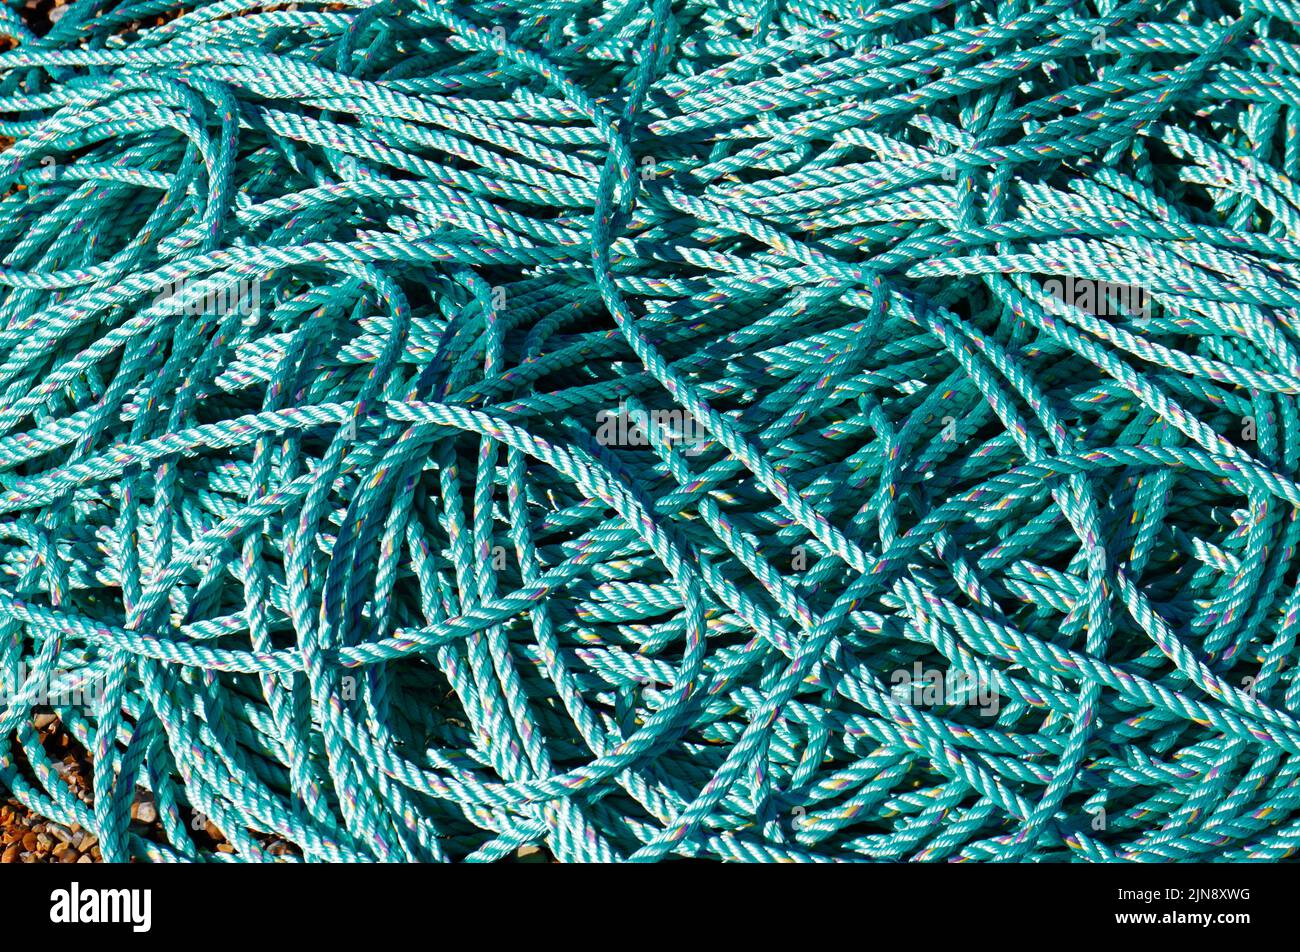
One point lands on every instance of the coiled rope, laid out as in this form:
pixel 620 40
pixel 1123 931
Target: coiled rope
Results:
pixel 746 430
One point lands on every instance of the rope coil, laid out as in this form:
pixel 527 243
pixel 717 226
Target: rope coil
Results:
pixel 739 430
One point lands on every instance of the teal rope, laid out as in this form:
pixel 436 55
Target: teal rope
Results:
pixel 655 429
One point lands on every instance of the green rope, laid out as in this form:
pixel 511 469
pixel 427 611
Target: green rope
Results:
pixel 749 430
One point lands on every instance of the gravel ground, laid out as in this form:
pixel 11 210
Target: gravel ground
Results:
pixel 27 838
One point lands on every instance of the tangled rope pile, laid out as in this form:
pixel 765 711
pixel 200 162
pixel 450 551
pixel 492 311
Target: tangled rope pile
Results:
pixel 718 428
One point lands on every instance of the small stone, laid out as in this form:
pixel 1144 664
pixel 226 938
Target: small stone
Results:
pixel 84 858
pixel 44 841
pixel 29 841
pixel 42 721
pixel 144 811
pixel 213 831
pixel 87 842
pixel 70 857
pixel 60 832
pixel 60 848
pixel 225 848
pixel 530 854
pixel 10 855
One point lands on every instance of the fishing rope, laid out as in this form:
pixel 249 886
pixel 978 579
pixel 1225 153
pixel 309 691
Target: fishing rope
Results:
pixel 743 430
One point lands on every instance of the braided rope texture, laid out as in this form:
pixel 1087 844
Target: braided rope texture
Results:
pixel 734 429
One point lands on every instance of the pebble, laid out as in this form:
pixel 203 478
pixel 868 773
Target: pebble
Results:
pixel 60 832
pixel 10 855
pixel 144 811
pixel 43 721
pixel 85 858
pixel 29 841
